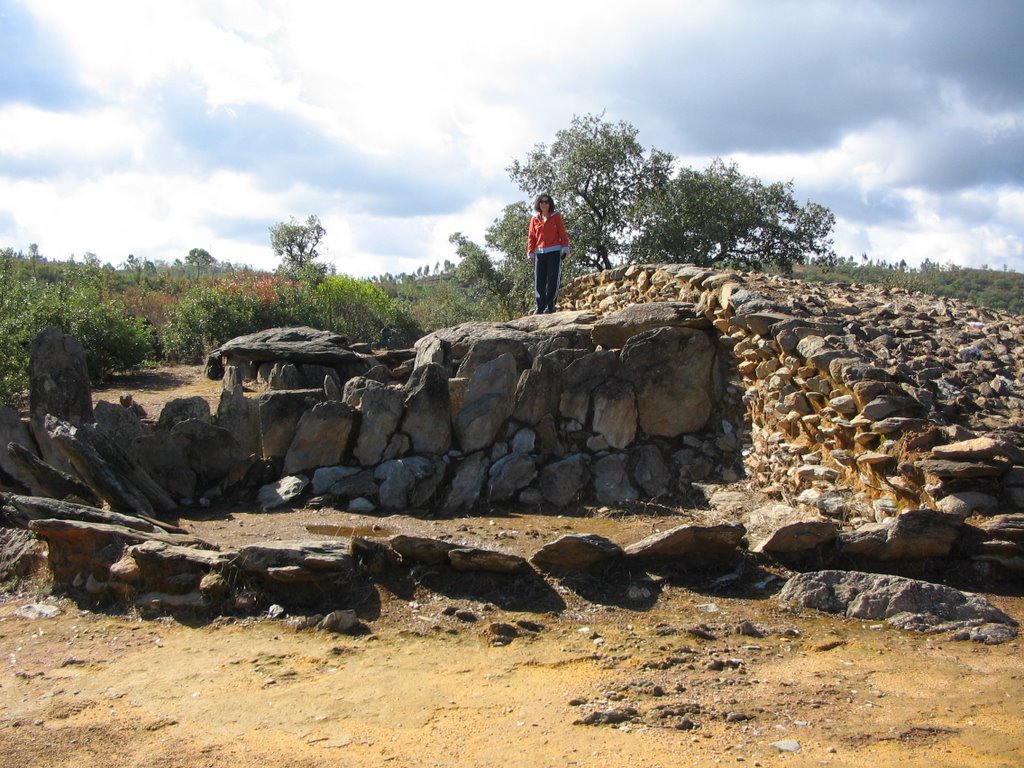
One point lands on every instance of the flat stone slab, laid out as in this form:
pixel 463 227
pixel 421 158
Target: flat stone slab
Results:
pixel 473 559
pixel 422 549
pixel 576 552
pixel 905 603
pixel 298 345
pixel 701 544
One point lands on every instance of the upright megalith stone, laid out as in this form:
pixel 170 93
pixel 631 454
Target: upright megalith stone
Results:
pixel 14 430
pixel 240 416
pixel 321 439
pixel 671 370
pixel 428 408
pixel 487 403
pixel 582 377
pixel 615 412
pixel 539 390
pixel 279 414
pixel 381 409
pixel 59 378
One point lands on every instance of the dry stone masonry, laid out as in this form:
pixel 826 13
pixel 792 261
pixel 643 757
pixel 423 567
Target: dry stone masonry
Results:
pixel 887 427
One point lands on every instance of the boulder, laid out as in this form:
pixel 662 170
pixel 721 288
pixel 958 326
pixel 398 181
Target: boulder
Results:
pixel 486 560
pixel 467 483
pixel 183 409
pixel 422 550
pixel 582 376
pixel 650 471
pixel 698 545
pixel 915 534
pixel 14 430
pixel 562 482
pixel 614 329
pixel 211 451
pixel 905 603
pixel 797 533
pixel 576 552
pixel 44 480
pixel 539 391
pixel 509 475
pixel 671 371
pixel 612 484
pixel 274 495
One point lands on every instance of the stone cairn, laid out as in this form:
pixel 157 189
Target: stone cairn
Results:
pixel 886 425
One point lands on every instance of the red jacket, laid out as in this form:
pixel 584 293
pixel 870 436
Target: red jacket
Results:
pixel 548 234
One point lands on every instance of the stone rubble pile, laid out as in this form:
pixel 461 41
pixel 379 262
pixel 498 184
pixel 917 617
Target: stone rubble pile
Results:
pixel 863 403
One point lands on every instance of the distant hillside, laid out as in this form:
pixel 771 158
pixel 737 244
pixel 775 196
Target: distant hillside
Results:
pixel 983 287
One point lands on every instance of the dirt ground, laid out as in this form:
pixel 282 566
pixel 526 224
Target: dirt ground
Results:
pixel 705 670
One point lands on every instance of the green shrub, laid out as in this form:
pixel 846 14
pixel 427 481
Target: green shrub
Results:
pixel 81 306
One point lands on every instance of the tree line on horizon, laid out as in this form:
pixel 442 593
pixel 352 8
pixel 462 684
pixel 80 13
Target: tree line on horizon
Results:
pixel 622 204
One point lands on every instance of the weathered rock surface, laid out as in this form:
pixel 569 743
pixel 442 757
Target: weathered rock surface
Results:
pixel 695 544
pixel 576 552
pixel 904 603
pixel 59 378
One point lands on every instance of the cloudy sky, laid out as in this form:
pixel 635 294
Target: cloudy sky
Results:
pixel 152 127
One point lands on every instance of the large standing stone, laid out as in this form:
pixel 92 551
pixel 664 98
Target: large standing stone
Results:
pixel 164 457
pixel 615 412
pixel 240 416
pixel 121 425
pixel 279 414
pixel 539 391
pixel 321 438
pixel 428 407
pixel 562 482
pixel 59 378
pixel 381 408
pixel 582 377
pixel 487 403
pixel 671 369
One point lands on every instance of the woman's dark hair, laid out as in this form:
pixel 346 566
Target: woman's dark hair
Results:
pixel 545 197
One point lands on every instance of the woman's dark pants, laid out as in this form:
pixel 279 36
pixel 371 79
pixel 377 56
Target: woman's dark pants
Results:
pixel 547 272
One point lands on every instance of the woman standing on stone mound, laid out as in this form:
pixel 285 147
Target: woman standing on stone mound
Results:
pixel 547 246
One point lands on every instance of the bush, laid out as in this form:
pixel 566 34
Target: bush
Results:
pixel 79 304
